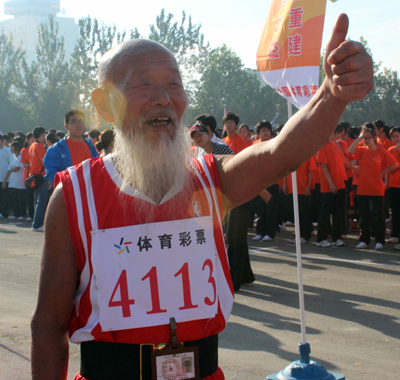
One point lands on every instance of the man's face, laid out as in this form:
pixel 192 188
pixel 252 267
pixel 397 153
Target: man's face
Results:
pixel 152 90
pixel 368 139
pixel 42 138
pixel 230 126
pixel 199 138
pixel 76 126
pixel 265 134
pixel 396 137
pixel 244 133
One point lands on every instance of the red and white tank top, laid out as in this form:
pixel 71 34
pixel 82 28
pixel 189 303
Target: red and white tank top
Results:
pixel 135 276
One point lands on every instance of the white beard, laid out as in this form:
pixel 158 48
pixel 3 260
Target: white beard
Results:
pixel 152 166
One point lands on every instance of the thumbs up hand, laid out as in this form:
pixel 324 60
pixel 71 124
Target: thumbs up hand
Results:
pixel 348 67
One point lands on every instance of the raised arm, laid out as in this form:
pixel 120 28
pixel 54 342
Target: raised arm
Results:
pixel 57 284
pixel 348 78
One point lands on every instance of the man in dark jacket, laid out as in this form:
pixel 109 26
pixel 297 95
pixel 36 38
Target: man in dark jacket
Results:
pixel 71 150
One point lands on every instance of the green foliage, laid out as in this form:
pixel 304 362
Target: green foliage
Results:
pixel 40 93
pixel 225 83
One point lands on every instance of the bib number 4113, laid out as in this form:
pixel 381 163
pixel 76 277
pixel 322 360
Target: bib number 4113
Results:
pixel 125 302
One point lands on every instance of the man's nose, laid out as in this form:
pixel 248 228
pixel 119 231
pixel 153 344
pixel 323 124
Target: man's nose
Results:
pixel 160 96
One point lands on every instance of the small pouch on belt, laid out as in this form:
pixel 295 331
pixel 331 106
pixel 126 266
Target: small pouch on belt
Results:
pixel 175 361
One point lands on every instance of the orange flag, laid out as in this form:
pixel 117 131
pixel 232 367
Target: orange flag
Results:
pixel 288 56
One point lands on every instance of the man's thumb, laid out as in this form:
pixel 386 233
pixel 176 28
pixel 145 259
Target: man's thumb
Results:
pixel 338 34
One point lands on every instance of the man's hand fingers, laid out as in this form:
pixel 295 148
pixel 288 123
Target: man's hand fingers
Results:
pixel 345 57
pixel 355 91
pixel 338 34
pixel 353 77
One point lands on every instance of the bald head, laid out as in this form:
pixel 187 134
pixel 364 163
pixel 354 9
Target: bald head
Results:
pixel 118 62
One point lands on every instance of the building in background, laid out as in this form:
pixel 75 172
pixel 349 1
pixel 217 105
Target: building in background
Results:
pixel 28 15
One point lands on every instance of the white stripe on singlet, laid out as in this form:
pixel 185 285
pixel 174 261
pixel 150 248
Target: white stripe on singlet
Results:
pixel 84 333
pixel 85 274
pixel 226 303
pixel 89 195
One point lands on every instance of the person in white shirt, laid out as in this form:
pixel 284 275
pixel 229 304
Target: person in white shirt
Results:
pixel 16 183
pixel 5 160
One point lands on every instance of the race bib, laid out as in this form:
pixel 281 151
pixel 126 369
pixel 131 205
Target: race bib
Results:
pixel 146 274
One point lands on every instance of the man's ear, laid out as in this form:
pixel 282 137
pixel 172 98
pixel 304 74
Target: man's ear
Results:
pixel 101 100
pixel 209 130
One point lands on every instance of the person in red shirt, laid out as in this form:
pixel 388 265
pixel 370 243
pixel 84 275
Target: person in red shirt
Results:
pixel 233 140
pixel 267 223
pixel 37 152
pixel 244 131
pixel 29 139
pixel 382 140
pixel 393 184
pixel 238 218
pixel 71 150
pixel 140 90
pixel 332 177
pixel 374 163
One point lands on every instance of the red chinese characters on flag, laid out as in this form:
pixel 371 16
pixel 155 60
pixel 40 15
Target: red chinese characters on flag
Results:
pixel 288 57
pixel 296 18
pixel 300 91
pixel 273 50
pixel 294 45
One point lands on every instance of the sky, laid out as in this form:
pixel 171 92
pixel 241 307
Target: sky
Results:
pixel 239 23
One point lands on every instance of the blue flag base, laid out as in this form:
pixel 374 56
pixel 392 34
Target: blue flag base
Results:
pixel 305 369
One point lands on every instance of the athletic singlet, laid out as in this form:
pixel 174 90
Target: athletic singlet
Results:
pixel 95 203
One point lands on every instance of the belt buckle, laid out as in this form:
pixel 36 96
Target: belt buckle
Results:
pixel 141 355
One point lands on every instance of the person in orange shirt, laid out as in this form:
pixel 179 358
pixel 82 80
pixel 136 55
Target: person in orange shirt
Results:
pixel 304 176
pixel 332 177
pixel 244 131
pixel 37 152
pixel 382 140
pixel 233 140
pixel 393 184
pixel 374 163
pixel 267 224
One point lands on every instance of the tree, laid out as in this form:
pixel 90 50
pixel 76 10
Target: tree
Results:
pixel 186 43
pixel 226 84
pixel 13 116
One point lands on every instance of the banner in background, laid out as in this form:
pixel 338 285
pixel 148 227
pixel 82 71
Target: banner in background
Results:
pixel 288 56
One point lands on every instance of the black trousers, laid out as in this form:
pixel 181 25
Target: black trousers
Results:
pixel 30 201
pixel 368 215
pixel 331 204
pixel 18 201
pixel 306 227
pixel 4 200
pixel 315 202
pixel 238 251
pixel 395 202
pixel 268 222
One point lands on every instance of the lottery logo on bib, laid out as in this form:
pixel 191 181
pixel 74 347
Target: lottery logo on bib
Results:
pixel 136 269
pixel 171 369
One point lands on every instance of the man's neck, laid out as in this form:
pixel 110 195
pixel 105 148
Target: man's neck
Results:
pixel 232 134
pixel 75 138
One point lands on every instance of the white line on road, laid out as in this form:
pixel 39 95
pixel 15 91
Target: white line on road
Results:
pixel 267 252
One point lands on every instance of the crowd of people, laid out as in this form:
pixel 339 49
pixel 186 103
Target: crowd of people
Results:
pixel 353 181
pixel 29 163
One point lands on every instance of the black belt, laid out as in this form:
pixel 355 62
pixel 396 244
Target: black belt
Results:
pixel 120 361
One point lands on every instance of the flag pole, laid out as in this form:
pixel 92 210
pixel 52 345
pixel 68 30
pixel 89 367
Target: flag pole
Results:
pixel 298 246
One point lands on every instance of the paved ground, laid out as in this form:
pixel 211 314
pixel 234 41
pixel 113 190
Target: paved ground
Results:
pixel 351 297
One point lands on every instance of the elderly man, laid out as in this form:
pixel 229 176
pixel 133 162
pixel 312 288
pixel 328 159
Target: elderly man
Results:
pixel 134 254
